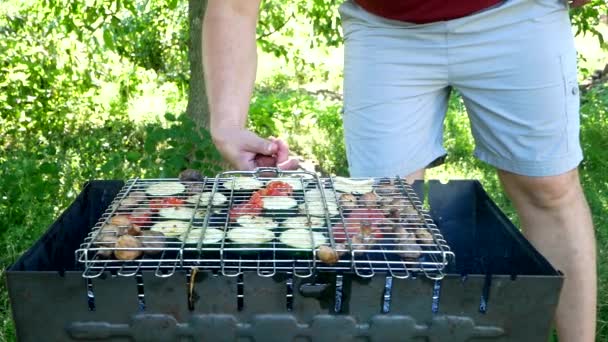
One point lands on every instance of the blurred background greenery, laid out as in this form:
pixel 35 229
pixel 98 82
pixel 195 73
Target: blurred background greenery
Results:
pixel 98 89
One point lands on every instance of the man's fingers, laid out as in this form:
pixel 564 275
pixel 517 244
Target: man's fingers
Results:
pixel 290 164
pixel 282 151
pixel 253 143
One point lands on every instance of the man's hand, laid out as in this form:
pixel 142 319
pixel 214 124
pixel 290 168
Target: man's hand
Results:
pixel 577 3
pixel 246 151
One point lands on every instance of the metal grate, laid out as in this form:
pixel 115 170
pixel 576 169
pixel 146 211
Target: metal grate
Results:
pixel 234 223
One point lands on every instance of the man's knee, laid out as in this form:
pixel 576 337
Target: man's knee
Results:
pixel 542 192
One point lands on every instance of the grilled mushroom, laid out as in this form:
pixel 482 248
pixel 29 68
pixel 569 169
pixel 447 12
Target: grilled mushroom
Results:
pixel 152 239
pixel 120 220
pixel 328 255
pixel 406 243
pixel 348 201
pixel 190 175
pixel 106 241
pixel 127 241
pixel 424 236
pixel 369 200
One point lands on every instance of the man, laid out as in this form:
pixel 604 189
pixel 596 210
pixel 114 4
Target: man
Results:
pixel 514 64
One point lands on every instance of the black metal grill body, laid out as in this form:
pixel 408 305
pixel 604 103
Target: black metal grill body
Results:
pixel 498 288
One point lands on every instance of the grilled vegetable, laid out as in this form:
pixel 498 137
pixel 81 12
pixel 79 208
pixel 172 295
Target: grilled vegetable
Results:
pixel 348 201
pixel 180 213
pixel 120 220
pixel 386 189
pixel 279 204
pixel 105 241
pixel 406 243
pixel 369 200
pixel 297 184
pixel 171 228
pixel 204 198
pixel 314 203
pixel 424 236
pixel 112 230
pixel 250 221
pixel 303 222
pixel 165 189
pixel 250 237
pixel 209 236
pixel 302 238
pixel 134 230
pixel 152 239
pixel 127 241
pixel 328 255
pixel 243 183
pixel 190 175
pixel 357 187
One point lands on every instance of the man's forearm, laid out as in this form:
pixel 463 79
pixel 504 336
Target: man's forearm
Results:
pixel 230 60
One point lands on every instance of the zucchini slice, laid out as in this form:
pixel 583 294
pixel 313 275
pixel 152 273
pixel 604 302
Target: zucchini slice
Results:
pixel 353 186
pixel 279 203
pixel 299 238
pixel 296 183
pixel 255 222
pixel 250 237
pixel 314 203
pixel 303 222
pixel 243 183
pixel 165 189
pixel 210 236
pixel 171 228
pixel 180 213
pixel 204 198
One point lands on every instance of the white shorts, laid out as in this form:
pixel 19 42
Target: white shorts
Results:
pixel 514 65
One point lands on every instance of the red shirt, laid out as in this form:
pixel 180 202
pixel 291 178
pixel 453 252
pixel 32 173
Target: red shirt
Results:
pixel 425 11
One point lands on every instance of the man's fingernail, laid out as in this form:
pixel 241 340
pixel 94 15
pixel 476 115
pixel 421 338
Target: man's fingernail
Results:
pixel 269 148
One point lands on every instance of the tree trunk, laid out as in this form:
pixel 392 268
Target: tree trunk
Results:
pixel 198 108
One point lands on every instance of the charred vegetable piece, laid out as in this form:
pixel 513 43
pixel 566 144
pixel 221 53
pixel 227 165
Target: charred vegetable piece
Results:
pixel 369 200
pixel 128 241
pixel 190 175
pixel 120 220
pixel 424 236
pixel 328 255
pixel 134 230
pixel 106 241
pixel 112 230
pixel 348 201
pixel 385 189
pixel 406 243
pixel 152 239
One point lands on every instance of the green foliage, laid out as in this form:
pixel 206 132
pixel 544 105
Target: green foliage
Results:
pixel 311 124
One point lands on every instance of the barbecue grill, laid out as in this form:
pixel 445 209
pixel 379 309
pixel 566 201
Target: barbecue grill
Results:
pixel 314 259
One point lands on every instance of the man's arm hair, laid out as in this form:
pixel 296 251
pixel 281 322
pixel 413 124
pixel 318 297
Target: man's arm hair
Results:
pixel 230 60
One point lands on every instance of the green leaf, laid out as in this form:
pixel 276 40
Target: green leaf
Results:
pixel 172 4
pixel 108 39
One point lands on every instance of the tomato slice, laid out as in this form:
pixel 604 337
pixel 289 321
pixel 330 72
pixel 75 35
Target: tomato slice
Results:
pixel 172 202
pixel 280 188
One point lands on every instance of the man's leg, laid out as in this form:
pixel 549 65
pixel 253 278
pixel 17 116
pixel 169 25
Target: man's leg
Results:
pixel 556 219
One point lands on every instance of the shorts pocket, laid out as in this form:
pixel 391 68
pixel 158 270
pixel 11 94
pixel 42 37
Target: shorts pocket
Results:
pixel 571 98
